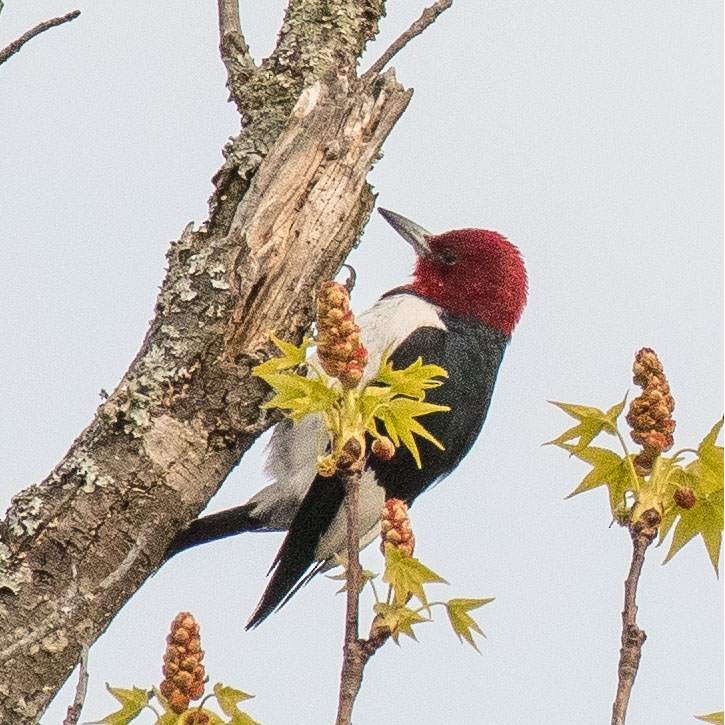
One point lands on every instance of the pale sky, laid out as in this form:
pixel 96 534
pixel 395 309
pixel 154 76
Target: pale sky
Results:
pixel 590 135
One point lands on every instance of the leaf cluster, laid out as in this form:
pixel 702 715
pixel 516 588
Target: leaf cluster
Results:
pixel 630 494
pixel 135 700
pixel 407 578
pixel 393 399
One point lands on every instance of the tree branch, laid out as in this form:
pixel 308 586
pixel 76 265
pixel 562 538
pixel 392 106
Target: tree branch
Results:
pixel 352 663
pixel 74 710
pixel 16 45
pixel 428 17
pixel 643 533
pixel 233 48
pixel 289 203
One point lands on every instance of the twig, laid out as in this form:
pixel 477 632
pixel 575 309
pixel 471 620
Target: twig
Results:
pixel 352 664
pixel 356 651
pixel 74 710
pixel 643 533
pixel 16 45
pixel 428 17
pixel 233 49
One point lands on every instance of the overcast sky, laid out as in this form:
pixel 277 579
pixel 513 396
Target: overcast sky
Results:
pixel 589 133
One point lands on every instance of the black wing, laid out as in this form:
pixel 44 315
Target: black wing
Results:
pixel 297 553
pixel 471 353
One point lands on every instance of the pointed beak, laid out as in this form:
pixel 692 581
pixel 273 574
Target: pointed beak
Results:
pixel 414 234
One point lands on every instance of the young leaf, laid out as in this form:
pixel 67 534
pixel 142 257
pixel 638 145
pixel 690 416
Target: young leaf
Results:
pixel 705 477
pixel 132 702
pixel 398 619
pixel 407 576
pixel 412 381
pixel 365 576
pixel 592 422
pixel 704 518
pixel 399 418
pixel 608 469
pixel 462 622
pixel 292 356
pixel 713 717
pixel 228 699
pixel 298 395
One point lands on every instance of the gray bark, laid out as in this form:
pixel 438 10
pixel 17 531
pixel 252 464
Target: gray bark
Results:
pixel 290 201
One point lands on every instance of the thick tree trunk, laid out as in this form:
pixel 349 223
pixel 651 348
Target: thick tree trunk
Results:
pixel 290 201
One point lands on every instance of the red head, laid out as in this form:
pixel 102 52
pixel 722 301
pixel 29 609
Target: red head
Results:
pixel 470 272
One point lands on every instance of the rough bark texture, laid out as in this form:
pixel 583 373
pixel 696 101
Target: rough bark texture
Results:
pixel 289 203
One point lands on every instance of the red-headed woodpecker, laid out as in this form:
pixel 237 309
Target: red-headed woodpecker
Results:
pixel 467 294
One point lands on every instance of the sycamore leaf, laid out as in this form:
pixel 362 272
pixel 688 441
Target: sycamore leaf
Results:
pixel 407 576
pixel 132 702
pixel 292 356
pixel 704 518
pixel 228 699
pixel 592 422
pixel 412 381
pixel 398 619
pixel 298 395
pixel 608 469
pixel 713 717
pixel 462 622
pixel 709 465
pixel 705 477
pixel 365 576
pixel 399 418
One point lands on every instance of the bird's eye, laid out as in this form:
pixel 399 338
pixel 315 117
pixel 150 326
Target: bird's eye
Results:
pixel 447 257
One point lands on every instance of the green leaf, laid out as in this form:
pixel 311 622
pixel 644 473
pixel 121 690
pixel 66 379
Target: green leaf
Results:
pixel 462 622
pixel 407 576
pixel 365 576
pixel 608 469
pixel 592 421
pixel 412 381
pixel 132 702
pixel 399 418
pixel 399 619
pixel 299 395
pixel 292 356
pixel 228 699
pixel 709 465
pixel 705 477
pixel 713 717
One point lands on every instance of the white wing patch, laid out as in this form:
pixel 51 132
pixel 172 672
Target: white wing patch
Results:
pixel 294 448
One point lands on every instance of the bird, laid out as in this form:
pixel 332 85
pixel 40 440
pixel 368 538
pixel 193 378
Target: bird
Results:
pixel 467 293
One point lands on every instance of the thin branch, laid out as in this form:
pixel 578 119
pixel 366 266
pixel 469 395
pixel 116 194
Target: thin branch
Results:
pixel 16 45
pixel 74 710
pixel 356 651
pixel 428 17
pixel 643 533
pixel 352 664
pixel 233 49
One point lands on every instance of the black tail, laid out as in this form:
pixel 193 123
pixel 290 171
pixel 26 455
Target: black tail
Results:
pixel 215 526
pixel 297 555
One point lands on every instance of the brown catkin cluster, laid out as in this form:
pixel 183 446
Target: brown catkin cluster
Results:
pixel 395 527
pixel 183 671
pixel 339 348
pixel 650 415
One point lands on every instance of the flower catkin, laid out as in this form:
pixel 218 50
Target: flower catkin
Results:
pixel 395 527
pixel 183 671
pixel 339 347
pixel 650 415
